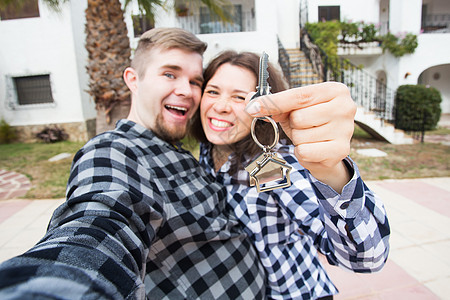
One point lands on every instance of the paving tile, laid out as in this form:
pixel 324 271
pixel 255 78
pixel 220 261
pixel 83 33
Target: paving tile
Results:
pixel 8 208
pixel 389 283
pixel 440 286
pixel 7 253
pixel 414 292
pixel 439 249
pixel 440 182
pixel 419 232
pixel 25 239
pixel 398 240
pixel 422 193
pixel 421 264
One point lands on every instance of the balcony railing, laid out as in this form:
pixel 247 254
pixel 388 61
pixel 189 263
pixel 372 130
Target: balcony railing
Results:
pixel 366 90
pixel 436 23
pixel 199 25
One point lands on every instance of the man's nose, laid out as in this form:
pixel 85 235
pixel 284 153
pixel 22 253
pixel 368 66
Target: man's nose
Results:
pixel 183 88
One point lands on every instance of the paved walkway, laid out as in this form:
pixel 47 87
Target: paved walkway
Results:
pixel 13 185
pixel 418 266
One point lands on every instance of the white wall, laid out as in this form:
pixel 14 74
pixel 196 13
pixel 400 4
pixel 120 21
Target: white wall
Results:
pixel 43 45
pixel 79 37
pixel 351 10
pixel 431 51
pixel 440 82
pixel 240 41
pixel 405 16
pixel 288 23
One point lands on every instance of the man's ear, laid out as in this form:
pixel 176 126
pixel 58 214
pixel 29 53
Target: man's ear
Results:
pixel 131 78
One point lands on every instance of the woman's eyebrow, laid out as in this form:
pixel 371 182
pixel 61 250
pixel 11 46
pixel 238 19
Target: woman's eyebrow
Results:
pixel 235 90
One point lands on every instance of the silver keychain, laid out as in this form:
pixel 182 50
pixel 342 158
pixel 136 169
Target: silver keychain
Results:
pixel 268 171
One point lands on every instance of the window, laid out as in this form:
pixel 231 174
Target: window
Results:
pixel 212 24
pixel 141 24
pixel 14 10
pixel 328 13
pixel 33 89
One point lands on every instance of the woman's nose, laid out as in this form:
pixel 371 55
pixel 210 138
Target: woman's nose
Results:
pixel 222 104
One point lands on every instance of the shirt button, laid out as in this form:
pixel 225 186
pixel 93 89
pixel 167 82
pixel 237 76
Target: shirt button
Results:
pixel 345 205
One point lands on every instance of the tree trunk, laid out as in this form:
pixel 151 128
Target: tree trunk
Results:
pixel 109 53
pixel 107 120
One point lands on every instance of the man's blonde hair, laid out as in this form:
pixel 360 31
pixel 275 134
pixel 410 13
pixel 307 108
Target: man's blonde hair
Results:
pixel 164 39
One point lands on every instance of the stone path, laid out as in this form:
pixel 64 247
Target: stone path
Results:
pixel 13 185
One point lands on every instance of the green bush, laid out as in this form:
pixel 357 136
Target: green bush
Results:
pixel 7 133
pixel 399 46
pixel 417 107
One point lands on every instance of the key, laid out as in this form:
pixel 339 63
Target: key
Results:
pixel 263 87
pixel 268 171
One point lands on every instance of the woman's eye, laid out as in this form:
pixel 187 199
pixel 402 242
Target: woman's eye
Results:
pixel 239 98
pixel 169 75
pixel 212 92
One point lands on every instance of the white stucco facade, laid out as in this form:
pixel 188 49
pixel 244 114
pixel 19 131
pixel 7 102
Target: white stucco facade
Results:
pixel 50 44
pixel 54 44
pixel 402 16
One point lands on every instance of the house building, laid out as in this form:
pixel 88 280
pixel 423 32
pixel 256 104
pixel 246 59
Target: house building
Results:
pixel 47 48
pixel 42 70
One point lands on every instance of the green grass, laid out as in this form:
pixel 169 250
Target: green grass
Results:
pixel 49 179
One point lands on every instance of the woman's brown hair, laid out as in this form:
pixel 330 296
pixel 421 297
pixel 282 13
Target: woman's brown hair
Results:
pixel 263 130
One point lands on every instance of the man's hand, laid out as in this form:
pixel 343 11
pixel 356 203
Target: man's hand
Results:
pixel 319 120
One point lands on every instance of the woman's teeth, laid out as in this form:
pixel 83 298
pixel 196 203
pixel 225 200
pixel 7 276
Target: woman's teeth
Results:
pixel 221 124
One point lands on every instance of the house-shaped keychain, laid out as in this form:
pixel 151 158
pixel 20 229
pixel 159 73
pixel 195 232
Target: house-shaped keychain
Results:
pixel 269 168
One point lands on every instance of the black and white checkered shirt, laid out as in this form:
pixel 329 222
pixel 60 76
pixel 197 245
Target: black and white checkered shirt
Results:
pixel 290 226
pixel 142 218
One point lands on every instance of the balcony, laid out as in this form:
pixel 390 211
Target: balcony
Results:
pixel 436 23
pixel 365 49
pixel 202 22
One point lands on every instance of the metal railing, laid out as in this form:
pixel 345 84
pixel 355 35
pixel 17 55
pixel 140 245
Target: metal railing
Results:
pixel 366 90
pixel 197 25
pixel 283 60
pixel 436 23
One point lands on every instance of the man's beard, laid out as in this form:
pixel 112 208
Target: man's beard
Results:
pixel 171 135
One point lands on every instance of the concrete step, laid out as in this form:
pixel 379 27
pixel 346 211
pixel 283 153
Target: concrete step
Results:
pixel 379 129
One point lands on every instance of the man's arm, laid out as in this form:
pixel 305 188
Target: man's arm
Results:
pixel 97 241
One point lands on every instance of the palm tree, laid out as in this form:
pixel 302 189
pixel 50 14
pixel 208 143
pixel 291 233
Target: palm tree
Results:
pixel 109 50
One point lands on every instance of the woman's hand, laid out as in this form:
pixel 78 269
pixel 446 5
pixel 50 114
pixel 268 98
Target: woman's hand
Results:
pixel 319 120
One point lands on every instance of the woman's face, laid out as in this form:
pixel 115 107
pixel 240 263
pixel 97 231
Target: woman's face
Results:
pixel 222 108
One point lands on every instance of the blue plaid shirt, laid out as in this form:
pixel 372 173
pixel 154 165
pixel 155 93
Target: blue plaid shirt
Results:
pixel 142 219
pixel 289 226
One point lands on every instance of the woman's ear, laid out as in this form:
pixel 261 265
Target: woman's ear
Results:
pixel 130 77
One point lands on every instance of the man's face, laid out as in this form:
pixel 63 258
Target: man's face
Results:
pixel 166 97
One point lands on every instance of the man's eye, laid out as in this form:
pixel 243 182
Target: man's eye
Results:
pixel 240 98
pixel 196 83
pixel 169 75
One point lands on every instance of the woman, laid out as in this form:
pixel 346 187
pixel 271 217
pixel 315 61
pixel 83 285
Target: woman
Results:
pixel 287 225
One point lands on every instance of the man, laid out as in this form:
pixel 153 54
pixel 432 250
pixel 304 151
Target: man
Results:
pixel 142 219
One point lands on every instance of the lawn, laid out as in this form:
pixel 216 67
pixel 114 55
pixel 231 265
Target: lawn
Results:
pixel 403 161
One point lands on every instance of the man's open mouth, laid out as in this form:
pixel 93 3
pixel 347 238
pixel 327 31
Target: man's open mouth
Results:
pixel 178 110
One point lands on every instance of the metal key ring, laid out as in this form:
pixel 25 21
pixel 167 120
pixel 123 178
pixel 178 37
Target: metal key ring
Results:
pixel 275 128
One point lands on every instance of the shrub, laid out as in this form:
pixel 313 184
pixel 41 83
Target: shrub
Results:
pixel 399 46
pixel 7 133
pixel 52 134
pixel 417 107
